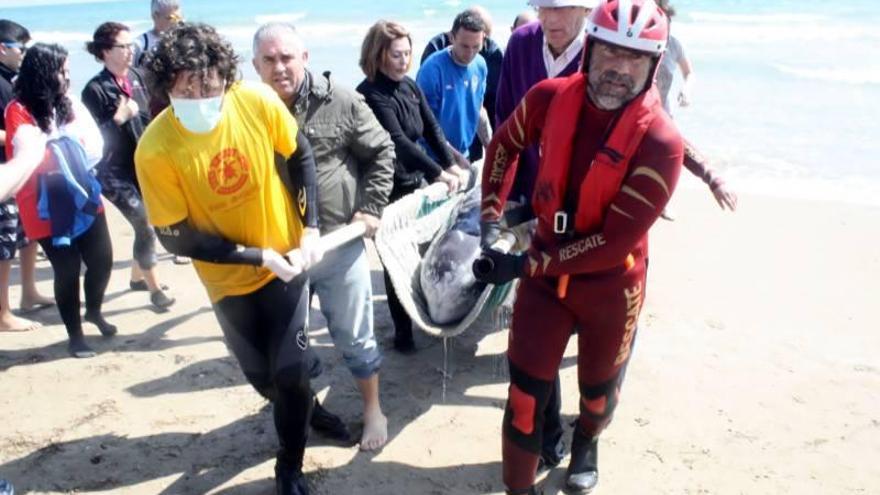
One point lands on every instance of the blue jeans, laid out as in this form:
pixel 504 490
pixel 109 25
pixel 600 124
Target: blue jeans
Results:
pixel 343 286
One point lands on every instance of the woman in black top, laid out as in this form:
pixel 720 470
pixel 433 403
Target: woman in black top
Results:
pixel 401 108
pixel 117 99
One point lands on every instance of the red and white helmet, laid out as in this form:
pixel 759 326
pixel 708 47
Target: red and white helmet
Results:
pixel 634 24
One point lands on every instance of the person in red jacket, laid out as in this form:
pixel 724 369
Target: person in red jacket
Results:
pixel 610 160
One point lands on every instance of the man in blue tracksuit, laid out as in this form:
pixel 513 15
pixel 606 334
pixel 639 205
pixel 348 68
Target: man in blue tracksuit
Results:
pixel 454 81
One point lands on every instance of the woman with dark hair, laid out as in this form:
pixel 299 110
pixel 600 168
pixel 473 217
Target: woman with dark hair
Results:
pixel 41 100
pixel 117 99
pixel 400 106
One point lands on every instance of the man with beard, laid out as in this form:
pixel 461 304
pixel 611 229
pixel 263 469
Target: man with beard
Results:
pixel 611 159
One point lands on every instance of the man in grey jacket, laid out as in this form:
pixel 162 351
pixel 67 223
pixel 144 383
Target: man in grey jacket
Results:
pixel 355 165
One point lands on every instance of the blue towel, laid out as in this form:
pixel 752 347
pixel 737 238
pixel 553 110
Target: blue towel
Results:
pixel 70 195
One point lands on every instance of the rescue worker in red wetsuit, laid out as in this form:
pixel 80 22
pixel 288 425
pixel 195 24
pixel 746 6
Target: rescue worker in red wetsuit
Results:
pixel 610 159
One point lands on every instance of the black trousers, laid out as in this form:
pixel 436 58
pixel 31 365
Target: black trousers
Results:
pixel 95 250
pixel 267 332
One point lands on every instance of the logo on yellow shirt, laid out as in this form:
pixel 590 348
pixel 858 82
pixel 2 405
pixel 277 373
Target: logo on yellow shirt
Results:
pixel 229 172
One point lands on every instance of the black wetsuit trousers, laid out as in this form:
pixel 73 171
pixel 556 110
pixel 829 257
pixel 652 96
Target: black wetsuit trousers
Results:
pixel 267 332
pixel 94 249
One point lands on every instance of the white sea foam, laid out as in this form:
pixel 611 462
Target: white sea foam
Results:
pixel 49 3
pixel 61 37
pixel 755 18
pixel 848 75
pixel 711 34
pixel 769 175
pixel 291 18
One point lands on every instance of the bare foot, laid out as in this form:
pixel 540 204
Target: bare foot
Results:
pixel 375 431
pixel 11 323
pixel 36 302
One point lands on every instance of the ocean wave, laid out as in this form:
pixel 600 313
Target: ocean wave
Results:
pixel 756 18
pixel 763 175
pixel 61 37
pixel 328 33
pixel 709 33
pixel 859 76
pixel 289 18
pixel 49 3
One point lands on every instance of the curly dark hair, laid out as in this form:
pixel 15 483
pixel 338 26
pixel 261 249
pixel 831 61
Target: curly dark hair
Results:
pixel 104 38
pixel 189 47
pixel 40 87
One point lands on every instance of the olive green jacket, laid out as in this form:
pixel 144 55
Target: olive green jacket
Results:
pixel 353 152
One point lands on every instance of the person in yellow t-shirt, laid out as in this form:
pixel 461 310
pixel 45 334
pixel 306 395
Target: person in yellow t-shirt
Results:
pixel 206 165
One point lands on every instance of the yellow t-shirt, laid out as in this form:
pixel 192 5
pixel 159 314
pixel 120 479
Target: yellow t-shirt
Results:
pixel 224 181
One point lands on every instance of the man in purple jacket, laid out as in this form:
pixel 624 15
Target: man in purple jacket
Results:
pixel 548 48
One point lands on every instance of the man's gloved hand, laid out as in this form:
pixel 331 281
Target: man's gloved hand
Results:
pixel 490 231
pixel 495 267
pixel 280 266
pixel 310 247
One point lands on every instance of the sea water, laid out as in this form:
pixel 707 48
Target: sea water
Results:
pixel 786 96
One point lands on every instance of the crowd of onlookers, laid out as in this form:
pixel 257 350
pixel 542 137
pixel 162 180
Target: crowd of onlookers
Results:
pixel 364 148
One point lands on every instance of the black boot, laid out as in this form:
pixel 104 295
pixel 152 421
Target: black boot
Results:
pixel 328 424
pixel 290 482
pixel 530 491
pixel 583 470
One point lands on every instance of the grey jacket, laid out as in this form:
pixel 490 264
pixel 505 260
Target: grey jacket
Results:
pixel 353 152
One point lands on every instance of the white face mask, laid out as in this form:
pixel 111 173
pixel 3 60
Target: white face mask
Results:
pixel 199 115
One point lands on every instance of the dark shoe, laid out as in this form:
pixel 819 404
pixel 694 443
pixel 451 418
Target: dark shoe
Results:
pixel 160 299
pixel 141 285
pixel 106 328
pixel 290 483
pixel 79 349
pixel 328 424
pixel 583 470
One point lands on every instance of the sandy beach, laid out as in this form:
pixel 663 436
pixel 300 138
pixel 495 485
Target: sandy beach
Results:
pixel 756 371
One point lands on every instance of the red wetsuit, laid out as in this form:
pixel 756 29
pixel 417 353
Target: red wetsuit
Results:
pixel 605 291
